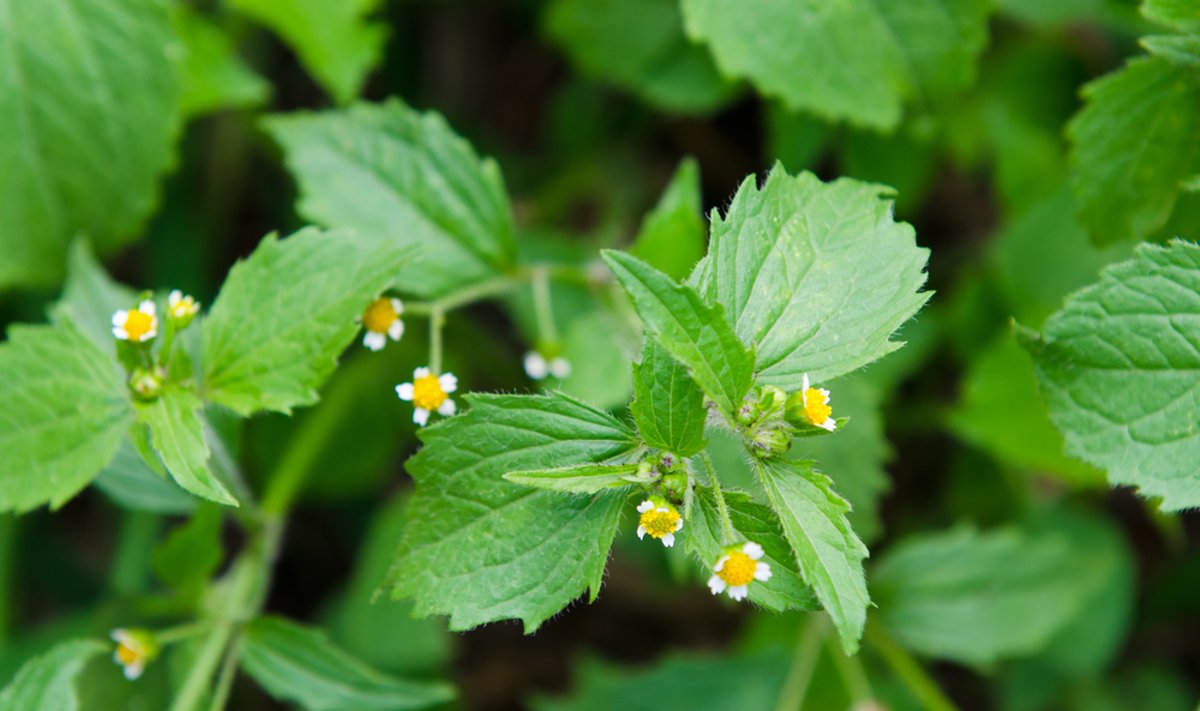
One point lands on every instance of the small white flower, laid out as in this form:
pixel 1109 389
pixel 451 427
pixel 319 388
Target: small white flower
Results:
pixel 816 406
pixel 182 308
pixel 381 321
pixel 737 568
pixel 428 392
pixel 560 368
pixel 135 649
pixel 660 519
pixel 535 366
pixel 137 325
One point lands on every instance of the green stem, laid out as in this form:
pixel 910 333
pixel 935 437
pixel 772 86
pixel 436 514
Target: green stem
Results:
pixel 437 320
pixel 171 635
pixel 908 670
pixel 722 508
pixel 804 663
pixel 850 669
pixel 547 331
pixel 227 674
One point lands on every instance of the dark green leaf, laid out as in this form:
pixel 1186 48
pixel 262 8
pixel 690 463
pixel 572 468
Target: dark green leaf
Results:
pixel 672 237
pixel 667 406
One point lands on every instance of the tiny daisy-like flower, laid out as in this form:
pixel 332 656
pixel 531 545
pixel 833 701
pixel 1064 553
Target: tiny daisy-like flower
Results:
pixel 735 570
pixel 538 368
pixel 660 519
pixel 816 406
pixel 381 321
pixel 135 649
pixel 428 392
pixel 181 307
pixel 137 325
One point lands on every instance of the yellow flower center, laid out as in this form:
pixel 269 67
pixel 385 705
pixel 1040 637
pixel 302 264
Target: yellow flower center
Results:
pixel 659 523
pixel 428 393
pixel 185 307
pixel 127 655
pixel 816 407
pixel 138 324
pixel 738 569
pixel 379 316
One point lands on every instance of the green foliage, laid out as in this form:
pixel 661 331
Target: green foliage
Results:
pixel 191 553
pixel 64 416
pixel 177 432
pixel 284 314
pixel 1132 146
pixel 47 683
pixel 1181 50
pixel 1117 365
pixel 695 333
pixel 1180 14
pixel 478 548
pixel 667 406
pixel 213 76
pixel 671 238
pixel 402 178
pixel 90 297
pixel 71 165
pixel 131 483
pixel 638 45
pixel 579 479
pixel 817 276
pixel 858 60
pixel 830 554
pixel 334 40
pixel 299 664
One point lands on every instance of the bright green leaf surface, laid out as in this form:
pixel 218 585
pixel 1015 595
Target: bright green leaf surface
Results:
pixel 695 333
pixel 816 275
pixel 599 346
pixel 285 313
pixel 65 413
pixel 1117 366
pixel 214 77
pixel 479 548
pixel 1132 145
pixel 828 551
pixel 47 683
pixel 302 665
pixel 956 595
pixel 704 537
pixel 402 178
pixel 667 406
pixel 578 479
pixel 88 113
pixel 132 484
pixel 640 46
pixel 177 431
pixel 334 40
pixel 90 297
pixel 1180 14
pixel 672 237
pixel 1181 50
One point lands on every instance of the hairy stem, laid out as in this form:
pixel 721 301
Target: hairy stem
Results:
pixel 547 331
pixel 726 523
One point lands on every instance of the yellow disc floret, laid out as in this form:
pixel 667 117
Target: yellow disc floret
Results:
pixel 659 523
pixel 738 569
pixel 428 393
pixel 138 324
pixel 816 406
pixel 380 315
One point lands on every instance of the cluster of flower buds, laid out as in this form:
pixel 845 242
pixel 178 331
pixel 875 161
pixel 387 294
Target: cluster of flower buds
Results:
pixel 138 327
pixel 772 418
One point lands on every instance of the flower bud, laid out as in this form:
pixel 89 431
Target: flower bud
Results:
pixel 146 384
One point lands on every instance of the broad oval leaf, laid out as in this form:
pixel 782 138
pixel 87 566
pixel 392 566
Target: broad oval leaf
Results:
pixel 667 406
pixel 47 683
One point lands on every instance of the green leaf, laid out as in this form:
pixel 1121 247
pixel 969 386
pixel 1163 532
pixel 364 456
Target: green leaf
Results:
pixel 132 484
pixel 190 553
pixel 214 77
pixel 302 665
pixel 1180 50
pixel 402 178
pixel 599 345
pixel 177 432
pixel 704 537
pixel 333 40
pixel 1117 366
pixel 858 60
pixel 672 238
pixel 828 551
pixel 65 413
pixel 667 406
pixel 817 275
pixel 954 595
pixel 90 297
pixel 1132 145
pixel 479 548
pixel 284 314
pixel 579 479
pixel 1183 15
pixel 638 45
pixel 695 333
pixel 88 117
pixel 47 683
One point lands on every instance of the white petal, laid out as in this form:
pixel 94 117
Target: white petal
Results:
pixel 762 572
pixel 804 383
pixel 420 416
pixel 560 368
pixel 668 540
pixel 420 373
pixel 645 506
pixel 374 341
pixel 663 509
pixel 829 424
pixel 641 532
pixel 396 330
pixel 447 408
pixel 824 394
pixel 134 670
pixel 147 307
pixel 716 584
pixel 448 381
pixel 535 365
pixel 679 524
pixel 720 564
pixel 174 297
pixel 120 333
pixel 119 635
pixel 405 391
pixel 398 306
pixel 120 317
pixel 738 592
pixel 753 550
pixel 149 334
